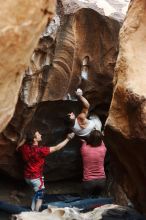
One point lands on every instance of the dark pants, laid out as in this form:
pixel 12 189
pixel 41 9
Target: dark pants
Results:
pixel 93 187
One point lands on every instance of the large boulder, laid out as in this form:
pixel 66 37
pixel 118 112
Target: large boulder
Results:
pixel 111 8
pixel 21 23
pixel 49 119
pixel 126 125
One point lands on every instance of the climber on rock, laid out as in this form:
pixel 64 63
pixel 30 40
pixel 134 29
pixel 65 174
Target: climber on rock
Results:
pixel 81 125
pixel 34 155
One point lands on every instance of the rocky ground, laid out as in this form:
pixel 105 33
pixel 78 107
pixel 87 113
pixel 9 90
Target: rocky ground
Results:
pixel 19 193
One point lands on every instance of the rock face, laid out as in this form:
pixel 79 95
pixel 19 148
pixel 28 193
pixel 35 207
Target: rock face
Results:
pixel 53 82
pixel 102 53
pixel 56 70
pixel 112 8
pixel 54 73
pixel 21 23
pixel 126 124
pixel 49 119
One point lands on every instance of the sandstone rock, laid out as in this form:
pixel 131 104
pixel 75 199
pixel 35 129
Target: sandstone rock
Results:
pixel 35 79
pixel 21 23
pixel 53 81
pixel 102 53
pixel 112 8
pixel 62 73
pixel 126 125
pixel 49 118
pixel 76 36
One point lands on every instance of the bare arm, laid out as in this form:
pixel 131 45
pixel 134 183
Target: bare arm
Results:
pixel 84 101
pixel 62 144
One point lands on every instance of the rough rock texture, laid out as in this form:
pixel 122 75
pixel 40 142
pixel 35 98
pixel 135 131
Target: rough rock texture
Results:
pixel 50 122
pixel 74 41
pixel 112 8
pixel 66 163
pixel 126 124
pixel 55 71
pixel 105 212
pixel 102 53
pixel 35 78
pixel 21 23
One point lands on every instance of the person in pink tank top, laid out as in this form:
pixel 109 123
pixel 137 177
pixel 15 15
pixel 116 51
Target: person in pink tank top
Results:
pixel 93 153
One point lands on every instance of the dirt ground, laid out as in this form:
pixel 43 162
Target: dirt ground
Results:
pixel 19 193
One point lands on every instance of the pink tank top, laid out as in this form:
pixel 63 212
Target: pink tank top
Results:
pixel 93 161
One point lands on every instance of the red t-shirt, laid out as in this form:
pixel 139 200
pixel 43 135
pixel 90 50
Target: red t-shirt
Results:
pixel 34 159
pixel 93 161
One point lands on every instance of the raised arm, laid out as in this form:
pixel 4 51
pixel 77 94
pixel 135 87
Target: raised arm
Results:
pixel 84 101
pixel 62 144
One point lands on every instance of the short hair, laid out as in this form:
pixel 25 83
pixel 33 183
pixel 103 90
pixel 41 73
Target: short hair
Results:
pixel 69 122
pixel 30 136
pixel 95 138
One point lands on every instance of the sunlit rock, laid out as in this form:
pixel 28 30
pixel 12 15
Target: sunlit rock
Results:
pixel 126 124
pixel 21 23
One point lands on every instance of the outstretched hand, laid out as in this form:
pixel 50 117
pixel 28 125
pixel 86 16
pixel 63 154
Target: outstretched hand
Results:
pixel 71 135
pixel 79 92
